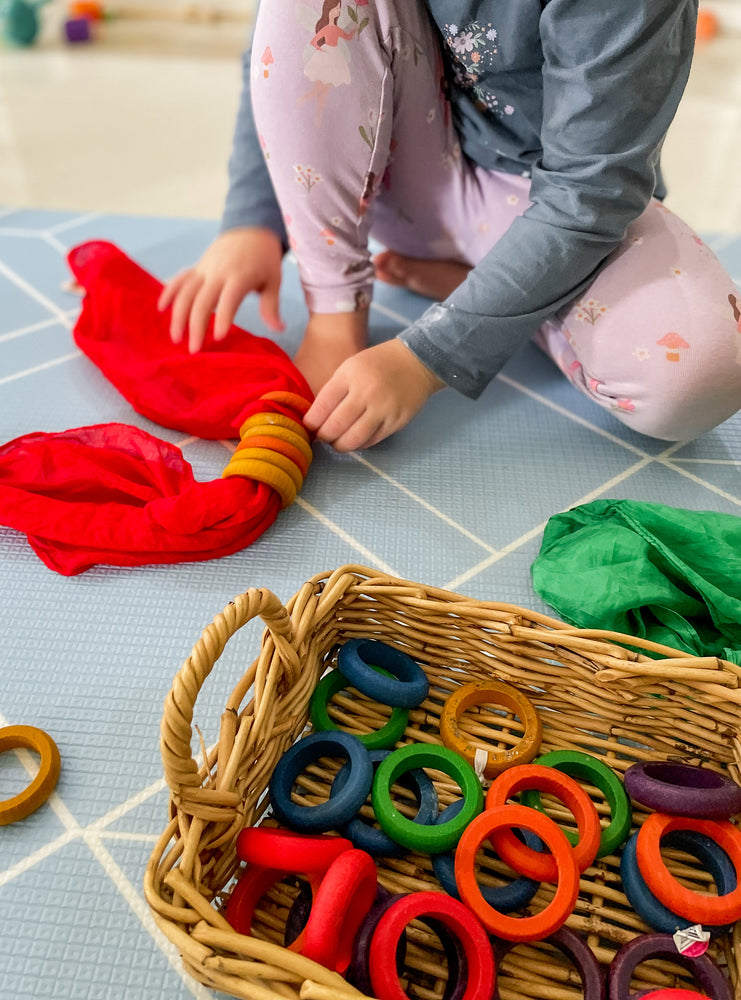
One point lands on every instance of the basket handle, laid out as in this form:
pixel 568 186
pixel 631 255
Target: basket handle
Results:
pixel 181 769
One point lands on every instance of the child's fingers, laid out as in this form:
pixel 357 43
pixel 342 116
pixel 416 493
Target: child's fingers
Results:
pixel 171 289
pixel 229 301
pixel 182 305
pixel 326 401
pixel 200 314
pixel 365 432
pixel 270 305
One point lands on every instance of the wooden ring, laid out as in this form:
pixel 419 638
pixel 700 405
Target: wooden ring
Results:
pixel 264 472
pixel 497 693
pixel 29 800
pixel 278 420
pixel 299 403
pixel 276 444
pixel 272 457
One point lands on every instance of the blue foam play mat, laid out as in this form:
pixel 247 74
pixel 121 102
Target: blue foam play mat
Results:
pixel 457 500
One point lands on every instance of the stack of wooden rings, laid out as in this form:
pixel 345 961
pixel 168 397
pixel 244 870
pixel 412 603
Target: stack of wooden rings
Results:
pixel 274 448
pixel 345 920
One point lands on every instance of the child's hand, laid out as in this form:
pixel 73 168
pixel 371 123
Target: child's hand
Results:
pixel 371 395
pixel 238 262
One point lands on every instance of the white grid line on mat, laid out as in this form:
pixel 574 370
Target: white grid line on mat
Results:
pixel 35 294
pixel 92 835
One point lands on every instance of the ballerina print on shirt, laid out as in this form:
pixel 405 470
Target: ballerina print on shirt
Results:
pixel 327 57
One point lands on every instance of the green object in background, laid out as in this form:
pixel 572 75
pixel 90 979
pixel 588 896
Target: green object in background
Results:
pixel 661 573
pixel 20 21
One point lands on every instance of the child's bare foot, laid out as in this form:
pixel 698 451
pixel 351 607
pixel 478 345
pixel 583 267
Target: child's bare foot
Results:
pixel 435 279
pixel 330 339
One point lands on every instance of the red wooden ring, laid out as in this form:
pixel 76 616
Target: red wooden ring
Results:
pixel 671 994
pixel 542 924
pixel 700 909
pixel 341 903
pixel 285 850
pixel 252 885
pixel 454 916
pixel 545 779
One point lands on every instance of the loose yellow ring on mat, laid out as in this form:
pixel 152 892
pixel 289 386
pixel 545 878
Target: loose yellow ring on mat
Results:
pixel 29 800
pixel 497 693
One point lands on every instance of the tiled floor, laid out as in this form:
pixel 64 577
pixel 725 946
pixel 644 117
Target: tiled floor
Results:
pixel 90 659
pixel 458 500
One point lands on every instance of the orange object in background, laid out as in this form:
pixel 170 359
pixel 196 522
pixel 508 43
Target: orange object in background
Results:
pixel 90 9
pixel 707 25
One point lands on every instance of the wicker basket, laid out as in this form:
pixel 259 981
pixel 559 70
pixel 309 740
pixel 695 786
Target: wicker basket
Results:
pixel 592 693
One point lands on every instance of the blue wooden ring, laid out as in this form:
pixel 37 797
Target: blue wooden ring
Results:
pixel 338 809
pixel 504 898
pixel 406 689
pixel 659 917
pixel 374 841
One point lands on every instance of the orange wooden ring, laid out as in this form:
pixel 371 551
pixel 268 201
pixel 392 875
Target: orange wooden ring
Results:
pixel 497 693
pixel 278 420
pixel 485 826
pixel 276 444
pixel 29 800
pixel 299 403
pixel 264 472
pixel 272 457
pixel 545 779
pixel 694 906
pixel 281 434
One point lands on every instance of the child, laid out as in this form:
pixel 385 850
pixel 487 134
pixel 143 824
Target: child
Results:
pixel 507 154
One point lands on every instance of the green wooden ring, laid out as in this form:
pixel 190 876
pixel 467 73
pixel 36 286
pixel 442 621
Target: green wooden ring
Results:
pixel 585 767
pixel 436 838
pixel 381 739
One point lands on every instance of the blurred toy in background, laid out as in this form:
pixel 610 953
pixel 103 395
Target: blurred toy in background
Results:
pixel 78 27
pixel 707 26
pixel 20 21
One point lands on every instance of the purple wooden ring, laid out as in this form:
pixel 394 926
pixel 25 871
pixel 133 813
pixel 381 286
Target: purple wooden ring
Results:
pixel 592 980
pixel 359 971
pixel 683 790
pixel 647 946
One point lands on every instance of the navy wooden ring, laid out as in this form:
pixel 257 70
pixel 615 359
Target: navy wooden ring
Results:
pixel 565 940
pixel 505 898
pixel 648 946
pixel 369 838
pixel 683 790
pixel 659 917
pixel 407 688
pixel 338 809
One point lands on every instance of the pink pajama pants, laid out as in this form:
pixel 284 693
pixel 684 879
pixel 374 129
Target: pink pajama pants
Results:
pixel 359 141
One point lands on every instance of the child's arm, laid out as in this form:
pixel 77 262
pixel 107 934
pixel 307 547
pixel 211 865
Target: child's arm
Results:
pixel 246 256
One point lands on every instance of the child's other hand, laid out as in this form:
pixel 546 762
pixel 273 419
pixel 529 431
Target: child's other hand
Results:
pixel 371 395
pixel 238 262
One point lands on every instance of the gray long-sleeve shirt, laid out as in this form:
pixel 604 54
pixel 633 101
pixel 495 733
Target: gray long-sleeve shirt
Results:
pixel 580 93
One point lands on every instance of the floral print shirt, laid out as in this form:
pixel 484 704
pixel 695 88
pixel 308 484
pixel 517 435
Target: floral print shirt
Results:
pixel 577 94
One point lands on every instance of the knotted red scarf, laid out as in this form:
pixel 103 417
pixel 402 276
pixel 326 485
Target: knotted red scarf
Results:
pixel 113 493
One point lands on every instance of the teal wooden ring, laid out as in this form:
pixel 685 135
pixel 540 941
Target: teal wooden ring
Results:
pixel 381 739
pixel 431 839
pixel 586 767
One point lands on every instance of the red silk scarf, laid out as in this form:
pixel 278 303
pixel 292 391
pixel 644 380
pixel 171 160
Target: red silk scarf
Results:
pixel 113 493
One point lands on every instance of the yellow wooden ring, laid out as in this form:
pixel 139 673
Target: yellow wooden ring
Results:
pixel 282 462
pixel 497 693
pixel 299 403
pixel 264 472
pixel 270 430
pixel 278 420
pixel 29 800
